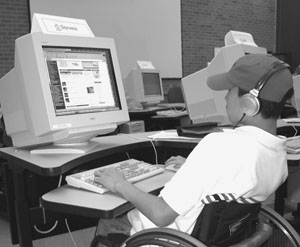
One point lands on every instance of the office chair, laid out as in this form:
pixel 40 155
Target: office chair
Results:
pixel 271 230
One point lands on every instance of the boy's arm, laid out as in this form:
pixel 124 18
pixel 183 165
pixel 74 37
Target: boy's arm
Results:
pixel 153 207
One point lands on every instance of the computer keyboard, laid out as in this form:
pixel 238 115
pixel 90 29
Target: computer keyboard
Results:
pixel 172 105
pixel 293 145
pixel 133 170
pixel 172 113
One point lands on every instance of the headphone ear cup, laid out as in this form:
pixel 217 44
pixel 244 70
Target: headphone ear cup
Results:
pixel 250 104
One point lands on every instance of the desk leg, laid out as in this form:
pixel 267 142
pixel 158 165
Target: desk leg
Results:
pixel 10 201
pixel 22 210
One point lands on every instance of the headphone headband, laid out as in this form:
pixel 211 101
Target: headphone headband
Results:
pixel 277 66
pixel 250 101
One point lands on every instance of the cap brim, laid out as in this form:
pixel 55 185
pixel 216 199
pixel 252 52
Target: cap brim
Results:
pixel 219 82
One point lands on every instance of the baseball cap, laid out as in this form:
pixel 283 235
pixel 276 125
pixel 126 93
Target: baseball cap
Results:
pixel 248 70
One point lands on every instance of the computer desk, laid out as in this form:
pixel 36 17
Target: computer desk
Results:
pixel 145 115
pixel 288 127
pixel 170 122
pixel 154 122
pixel 70 200
pixel 21 165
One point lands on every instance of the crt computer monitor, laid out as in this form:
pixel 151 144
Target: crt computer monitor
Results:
pixel 296 96
pixel 144 86
pixel 62 90
pixel 204 104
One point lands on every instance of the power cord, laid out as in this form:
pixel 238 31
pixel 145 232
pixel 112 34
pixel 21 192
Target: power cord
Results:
pixel 44 216
pixel 56 222
pixel 176 109
pixel 70 233
pixel 46 231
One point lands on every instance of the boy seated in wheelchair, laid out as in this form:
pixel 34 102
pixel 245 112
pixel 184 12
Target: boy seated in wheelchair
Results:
pixel 245 164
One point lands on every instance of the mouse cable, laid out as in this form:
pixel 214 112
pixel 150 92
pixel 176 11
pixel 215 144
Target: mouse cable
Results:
pixel 147 139
pixel 128 156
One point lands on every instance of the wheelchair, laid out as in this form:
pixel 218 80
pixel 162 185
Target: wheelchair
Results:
pixel 271 230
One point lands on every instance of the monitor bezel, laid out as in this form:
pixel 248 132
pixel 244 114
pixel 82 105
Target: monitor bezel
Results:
pixel 36 42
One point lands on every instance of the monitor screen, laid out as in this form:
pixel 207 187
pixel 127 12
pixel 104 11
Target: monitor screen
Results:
pixel 151 83
pixel 144 86
pixel 62 90
pixel 81 80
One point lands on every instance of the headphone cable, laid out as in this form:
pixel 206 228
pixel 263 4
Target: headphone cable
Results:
pixel 241 119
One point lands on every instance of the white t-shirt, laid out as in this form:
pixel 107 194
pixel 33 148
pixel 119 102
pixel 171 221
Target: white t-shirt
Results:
pixel 247 162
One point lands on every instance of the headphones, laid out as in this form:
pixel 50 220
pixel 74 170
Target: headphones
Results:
pixel 250 102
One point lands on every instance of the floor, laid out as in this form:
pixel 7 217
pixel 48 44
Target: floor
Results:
pixel 81 238
pixel 4 232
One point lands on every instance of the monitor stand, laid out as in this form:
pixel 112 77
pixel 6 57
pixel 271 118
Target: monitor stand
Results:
pixel 74 148
pixel 76 143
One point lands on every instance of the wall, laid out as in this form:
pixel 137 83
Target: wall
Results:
pixel 139 33
pixel 13 23
pixel 288 31
pixel 204 24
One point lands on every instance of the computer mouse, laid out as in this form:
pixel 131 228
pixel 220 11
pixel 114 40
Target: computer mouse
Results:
pixel 177 166
pixel 173 167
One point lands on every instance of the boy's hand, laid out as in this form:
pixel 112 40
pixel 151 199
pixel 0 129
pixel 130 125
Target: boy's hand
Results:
pixel 109 177
pixel 177 161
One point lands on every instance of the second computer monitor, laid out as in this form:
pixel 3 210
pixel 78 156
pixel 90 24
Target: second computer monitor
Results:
pixel 204 104
pixel 144 86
